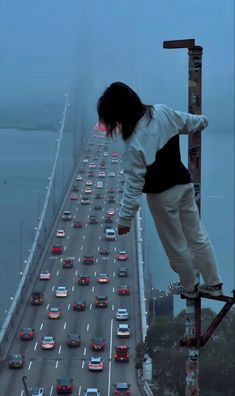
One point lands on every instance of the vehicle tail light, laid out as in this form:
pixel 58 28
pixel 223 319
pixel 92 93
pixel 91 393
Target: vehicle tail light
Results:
pixel 127 392
pixel 117 392
pixel 59 387
pixel 100 365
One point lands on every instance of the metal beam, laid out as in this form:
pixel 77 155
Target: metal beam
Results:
pixel 171 44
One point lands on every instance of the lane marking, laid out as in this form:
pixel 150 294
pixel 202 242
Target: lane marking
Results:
pixel 84 352
pixel 90 307
pixel 35 346
pixel 68 307
pixel 41 325
pixel 53 287
pixel 72 288
pixel 93 288
pixel 110 356
pixel 87 328
pixel 65 325
pixel 83 363
pixel 30 364
pixel 47 307
pixel 57 273
pixel 112 307
pixel 52 386
pixel 59 350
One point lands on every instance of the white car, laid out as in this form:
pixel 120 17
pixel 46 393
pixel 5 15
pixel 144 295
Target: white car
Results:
pixel 114 161
pixel 110 234
pixel 92 165
pixel 111 174
pixel 110 212
pixel 85 201
pixel 89 183
pixel 61 291
pixel 45 275
pixel 85 160
pixel 106 154
pixel 92 392
pixel 88 190
pixel 60 234
pixel 67 215
pixel 101 174
pixel 36 391
pixel 48 342
pixel 123 330
pixel 95 364
pixel 122 314
pixel 79 177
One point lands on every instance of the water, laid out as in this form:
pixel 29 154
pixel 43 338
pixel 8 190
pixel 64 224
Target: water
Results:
pixel 26 159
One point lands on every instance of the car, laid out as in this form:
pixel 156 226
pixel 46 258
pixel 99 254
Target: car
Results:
pixel 93 219
pixel 88 259
pixel 88 190
pixel 104 251
pixel 16 360
pixel 123 330
pixel 75 188
pixel 27 333
pixel 79 177
pixel 60 234
pixel 108 220
pixel 74 197
pixel 114 161
pixel 122 314
pixel 110 212
pixel 91 174
pixel 110 234
pixel 79 305
pixel 111 190
pixel 111 199
pixel 36 298
pixel 82 170
pixel 101 174
pixel 101 301
pixel 45 275
pixel 112 174
pixel 123 272
pixel 57 249
pixel 122 255
pixel 121 353
pixel 106 154
pixel 95 364
pixel 48 342
pixel 73 340
pixel 97 207
pixel 84 280
pixel 61 291
pixel 64 386
pixel 120 190
pixel 122 388
pixel 115 154
pixel 77 224
pixel 85 201
pixel 98 344
pixel 103 278
pixel 54 313
pixel 36 391
pixel 92 392
pixel 122 181
pixel 67 215
pixel 89 182
pixel 68 262
pixel 85 160
pixel 98 196
pixel 124 290
pixel 92 165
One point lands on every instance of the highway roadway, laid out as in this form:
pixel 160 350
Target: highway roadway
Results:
pixel 44 367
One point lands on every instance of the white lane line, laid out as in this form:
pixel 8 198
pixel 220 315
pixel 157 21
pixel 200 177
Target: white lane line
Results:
pixel 72 288
pixel 68 237
pixel 113 289
pixel 90 307
pixel 57 273
pixel 35 346
pixel 56 365
pixel 79 259
pixel 51 390
pixel 22 392
pixel 65 247
pixel 68 307
pixel 93 288
pixel 95 273
pixel 81 247
pixel 115 249
pixel 76 272
pixel 87 328
pixel 96 260
pixel 47 307
pixel 53 287
pixel 30 364
pixel 110 356
pixel 65 325
pixel 84 352
pixel 114 261
pixel 61 259
pixel 114 274
pixel 99 237
pixel 41 326
pixel 79 391
pixel 84 237
pixel 83 363
pixel 59 349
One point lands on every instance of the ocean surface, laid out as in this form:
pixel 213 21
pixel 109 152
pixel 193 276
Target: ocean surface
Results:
pixel 26 159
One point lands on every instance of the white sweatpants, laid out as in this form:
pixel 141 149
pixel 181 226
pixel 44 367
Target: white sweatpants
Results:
pixel 186 244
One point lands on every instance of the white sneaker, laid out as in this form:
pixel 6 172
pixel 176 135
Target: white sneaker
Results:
pixel 214 291
pixel 177 288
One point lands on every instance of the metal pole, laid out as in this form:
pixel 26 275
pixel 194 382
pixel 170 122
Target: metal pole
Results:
pixel 21 249
pixel 194 165
pixel 24 379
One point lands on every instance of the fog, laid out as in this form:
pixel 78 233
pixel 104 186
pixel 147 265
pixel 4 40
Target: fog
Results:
pixel 50 46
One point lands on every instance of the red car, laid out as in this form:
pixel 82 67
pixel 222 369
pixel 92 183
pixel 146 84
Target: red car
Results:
pixel 79 305
pixel 122 388
pixel 27 333
pixel 84 280
pixel 98 344
pixel 77 224
pixel 68 262
pixel 123 290
pixel 57 249
pixel 122 255
pixel 64 385
pixel 73 197
pixel 103 278
pixel 88 259
pixel 122 353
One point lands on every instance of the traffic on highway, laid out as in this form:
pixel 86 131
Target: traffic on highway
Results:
pixel 81 322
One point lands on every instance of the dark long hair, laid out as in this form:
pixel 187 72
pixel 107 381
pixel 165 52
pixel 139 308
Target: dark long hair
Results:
pixel 120 104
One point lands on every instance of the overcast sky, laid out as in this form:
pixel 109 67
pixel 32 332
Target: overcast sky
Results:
pixel 44 42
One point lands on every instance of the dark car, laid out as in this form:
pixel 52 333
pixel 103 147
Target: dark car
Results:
pixel 108 220
pixel 27 333
pixel 124 290
pixel 68 262
pixel 73 340
pixel 91 174
pixel 101 301
pixel 77 224
pixel 97 207
pixel 98 344
pixel 93 219
pixel 122 272
pixel 111 199
pixel 36 298
pixel 88 259
pixel 57 249
pixel 98 196
pixel 122 388
pixel 79 305
pixel 121 353
pixel 16 360
pixel 75 188
pixel 64 386
pixel 104 251
pixel 83 280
